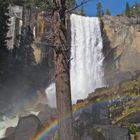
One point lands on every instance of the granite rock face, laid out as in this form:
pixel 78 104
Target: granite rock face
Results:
pixel 121 37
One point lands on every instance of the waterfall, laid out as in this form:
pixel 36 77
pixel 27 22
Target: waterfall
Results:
pixel 86 63
pixel 86 56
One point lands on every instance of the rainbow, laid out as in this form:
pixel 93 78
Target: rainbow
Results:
pixel 51 129
pixel 45 133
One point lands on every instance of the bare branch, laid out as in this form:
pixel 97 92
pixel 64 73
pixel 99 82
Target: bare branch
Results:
pixel 79 5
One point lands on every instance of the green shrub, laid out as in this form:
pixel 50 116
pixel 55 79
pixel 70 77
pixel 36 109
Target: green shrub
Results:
pixel 132 128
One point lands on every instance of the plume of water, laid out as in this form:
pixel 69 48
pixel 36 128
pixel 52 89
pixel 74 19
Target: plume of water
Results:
pixel 87 58
pixel 7 122
pixel 50 93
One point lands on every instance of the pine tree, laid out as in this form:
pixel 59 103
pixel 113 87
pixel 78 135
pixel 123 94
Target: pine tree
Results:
pixel 136 9
pixel 99 9
pixel 82 12
pixel 70 3
pixel 127 10
pixel 18 2
pixel 4 20
pixel 4 54
pixel 107 12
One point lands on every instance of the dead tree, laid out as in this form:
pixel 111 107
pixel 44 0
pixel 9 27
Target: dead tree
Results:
pixel 61 44
pixel 62 70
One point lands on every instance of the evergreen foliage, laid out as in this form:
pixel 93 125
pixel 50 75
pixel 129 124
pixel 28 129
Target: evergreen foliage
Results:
pixel 18 2
pixel 82 12
pixel 43 4
pixel 99 9
pixel 107 12
pixel 127 10
pixel 4 20
pixel 70 3
pixel 132 11
pixel 137 9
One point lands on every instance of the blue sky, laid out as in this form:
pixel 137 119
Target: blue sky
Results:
pixel 115 6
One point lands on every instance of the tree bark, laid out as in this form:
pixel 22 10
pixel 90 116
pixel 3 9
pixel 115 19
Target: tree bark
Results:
pixel 62 70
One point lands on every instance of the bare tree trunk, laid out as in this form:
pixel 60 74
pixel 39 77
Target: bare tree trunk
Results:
pixel 62 71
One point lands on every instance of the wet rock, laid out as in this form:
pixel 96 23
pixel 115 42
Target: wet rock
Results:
pixel 10 137
pixel 81 121
pixel 9 131
pixel 27 127
pixel 79 101
pixel 100 113
pixel 44 117
pixel 46 113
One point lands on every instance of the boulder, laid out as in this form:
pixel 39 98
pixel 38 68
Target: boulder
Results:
pixel 27 127
pixel 9 131
pixel 10 137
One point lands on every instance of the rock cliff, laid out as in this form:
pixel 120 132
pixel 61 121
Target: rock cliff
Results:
pixel 121 37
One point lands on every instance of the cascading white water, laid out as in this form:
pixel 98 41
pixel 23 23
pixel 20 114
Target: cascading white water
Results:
pixel 86 58
pixel 86 54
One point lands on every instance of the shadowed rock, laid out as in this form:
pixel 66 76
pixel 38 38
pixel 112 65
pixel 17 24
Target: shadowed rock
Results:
pixel 27 127
pixel 9 131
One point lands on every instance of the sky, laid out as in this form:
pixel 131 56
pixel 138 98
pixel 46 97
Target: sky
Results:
pixel 115 6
